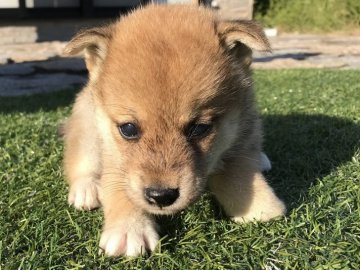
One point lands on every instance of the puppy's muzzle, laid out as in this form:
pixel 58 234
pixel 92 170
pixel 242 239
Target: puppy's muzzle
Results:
pixel 161 196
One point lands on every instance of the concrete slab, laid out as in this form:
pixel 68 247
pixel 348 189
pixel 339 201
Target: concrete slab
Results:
pixel 36 67
pixel 32 51
pixel 70 65
pixel 18 34
pixel 16 69
pixel 43 83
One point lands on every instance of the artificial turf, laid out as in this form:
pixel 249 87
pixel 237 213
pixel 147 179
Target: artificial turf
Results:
pixel 312 135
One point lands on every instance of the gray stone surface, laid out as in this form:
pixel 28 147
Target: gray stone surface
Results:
pixel 16 69
pixel 39 83
pixel 234 9
pixel 3 60
pixel 311 51
pixel 70 65
pixel 32 51
pixel 62 64
pixel 18 34
pixel 36 67
pixel 31 31
pixel 41 76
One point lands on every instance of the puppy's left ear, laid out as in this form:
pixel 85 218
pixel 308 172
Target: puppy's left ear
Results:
pixel 241 38
pixel 93 42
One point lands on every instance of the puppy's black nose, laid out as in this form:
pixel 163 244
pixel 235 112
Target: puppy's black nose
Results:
pixel 161 196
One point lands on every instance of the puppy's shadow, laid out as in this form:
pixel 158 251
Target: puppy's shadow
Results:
pixel 173 228
pixel 304 148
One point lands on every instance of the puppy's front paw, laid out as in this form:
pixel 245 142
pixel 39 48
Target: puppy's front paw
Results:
pixel 129 238
pixel 262 211
pixel 84 194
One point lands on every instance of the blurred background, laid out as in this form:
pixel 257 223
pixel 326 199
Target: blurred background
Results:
pixel 309 16
pixel 303 34
pixel 288 15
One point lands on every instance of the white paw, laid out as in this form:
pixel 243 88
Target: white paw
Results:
pixel 129 238
pixel 84 195
pixel 265 162
pixel 262 213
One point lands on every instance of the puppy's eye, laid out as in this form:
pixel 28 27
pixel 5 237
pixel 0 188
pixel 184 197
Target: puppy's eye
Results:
pixel 198 131
pixel 129 131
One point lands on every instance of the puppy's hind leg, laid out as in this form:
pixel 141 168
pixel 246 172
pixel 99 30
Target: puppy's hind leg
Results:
pixel 82 154
pixel 244 193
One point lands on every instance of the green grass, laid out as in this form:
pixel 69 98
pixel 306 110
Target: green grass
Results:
pixel 308 15
pixel 312 126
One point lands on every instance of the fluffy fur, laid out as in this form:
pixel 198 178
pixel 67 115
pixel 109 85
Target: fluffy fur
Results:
pixel 163 68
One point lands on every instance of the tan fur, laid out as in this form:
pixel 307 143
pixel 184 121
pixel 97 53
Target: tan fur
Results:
pixel 163 67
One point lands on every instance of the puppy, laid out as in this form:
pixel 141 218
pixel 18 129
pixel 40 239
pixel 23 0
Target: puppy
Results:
pixel 168 112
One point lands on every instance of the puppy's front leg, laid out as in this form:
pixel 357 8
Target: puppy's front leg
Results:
pixel 127 229
pixel 244 193
pixel 82 154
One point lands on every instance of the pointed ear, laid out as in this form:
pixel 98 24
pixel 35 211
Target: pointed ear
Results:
pixel 94 42
pixel 242 37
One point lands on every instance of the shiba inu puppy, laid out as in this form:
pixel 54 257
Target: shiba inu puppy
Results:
pixel 168 113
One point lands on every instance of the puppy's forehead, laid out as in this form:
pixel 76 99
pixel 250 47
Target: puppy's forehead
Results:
pixel 165 60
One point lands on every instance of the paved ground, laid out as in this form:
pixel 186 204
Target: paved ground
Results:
pixel 28 67
pixel 312 51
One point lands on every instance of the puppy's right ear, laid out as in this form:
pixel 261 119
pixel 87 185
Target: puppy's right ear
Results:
pixel 94 42
pixel 242 37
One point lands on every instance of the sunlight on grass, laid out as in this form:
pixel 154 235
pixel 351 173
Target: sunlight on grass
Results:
pixel 312 135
